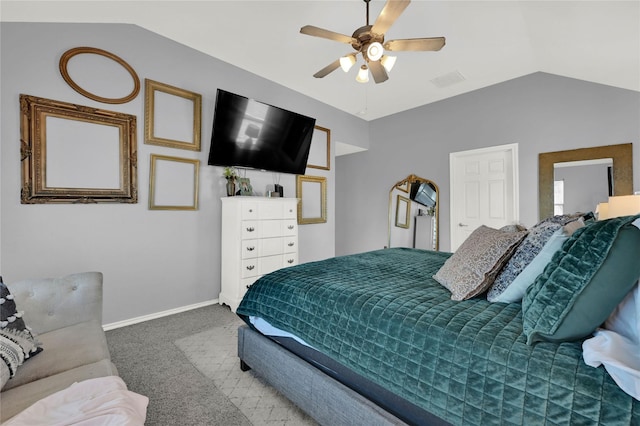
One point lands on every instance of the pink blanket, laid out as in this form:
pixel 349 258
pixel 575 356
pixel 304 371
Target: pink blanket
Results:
pixel 102 401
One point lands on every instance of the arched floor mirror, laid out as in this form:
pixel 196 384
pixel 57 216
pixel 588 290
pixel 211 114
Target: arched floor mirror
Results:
pixel 413 214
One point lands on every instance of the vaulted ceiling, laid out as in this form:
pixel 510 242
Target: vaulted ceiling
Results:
pixel 487 42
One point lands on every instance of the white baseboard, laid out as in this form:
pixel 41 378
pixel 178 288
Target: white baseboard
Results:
pixel 144 318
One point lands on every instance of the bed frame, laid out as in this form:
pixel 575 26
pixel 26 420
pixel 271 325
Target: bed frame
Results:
pixel 323 398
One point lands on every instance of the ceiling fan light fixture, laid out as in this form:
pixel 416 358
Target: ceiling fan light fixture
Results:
pixel 346 62
pixel 363 75
pixel 375 51
pixel 388 62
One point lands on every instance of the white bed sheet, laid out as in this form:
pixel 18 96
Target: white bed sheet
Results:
pixel 264 327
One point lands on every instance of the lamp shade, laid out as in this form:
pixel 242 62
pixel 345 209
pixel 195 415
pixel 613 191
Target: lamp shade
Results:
pixel 624 205
pixel 346 62
pixel 388 62
pixel 363 75
pixel 602 211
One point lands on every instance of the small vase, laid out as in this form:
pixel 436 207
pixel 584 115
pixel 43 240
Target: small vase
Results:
pixel 231 188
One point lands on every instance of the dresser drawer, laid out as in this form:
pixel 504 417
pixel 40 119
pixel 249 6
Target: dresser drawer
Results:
pixel 269 264
pixel 250 268
pixel 250 229
pixel 249 248
pixel 290 244
pixel 249 210
pixel 290 227
pixel 271 211
pixel 245 283
pixel 271 228
pixel 290 211
pixel 290 259
pixel 271 246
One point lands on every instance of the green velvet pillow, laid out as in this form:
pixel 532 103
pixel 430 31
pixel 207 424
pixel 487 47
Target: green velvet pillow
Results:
pixel 584 282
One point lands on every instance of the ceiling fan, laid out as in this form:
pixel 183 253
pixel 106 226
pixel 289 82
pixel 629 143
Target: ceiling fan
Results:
pixel 369 41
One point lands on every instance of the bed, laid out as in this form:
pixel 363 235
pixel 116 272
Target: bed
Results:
pixel 373 338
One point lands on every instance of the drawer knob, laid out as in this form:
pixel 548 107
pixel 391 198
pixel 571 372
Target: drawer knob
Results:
pixel 248 285
pixel 290 261
pixel 250 210
pixel 250 267
pixel 291 244
pixel 250 229
pixel 251 248
pixel 290 226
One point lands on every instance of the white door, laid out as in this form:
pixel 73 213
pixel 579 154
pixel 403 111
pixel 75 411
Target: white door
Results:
pixel 484 190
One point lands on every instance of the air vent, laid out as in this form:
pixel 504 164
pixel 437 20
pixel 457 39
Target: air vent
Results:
pixel 448 79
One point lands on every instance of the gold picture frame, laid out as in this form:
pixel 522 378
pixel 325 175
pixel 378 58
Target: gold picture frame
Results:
pixel 172 116
pixel 320 151
pixel 173 183
pixel 312 193
pixel 76 154
pixel 403 211
pixel 64 65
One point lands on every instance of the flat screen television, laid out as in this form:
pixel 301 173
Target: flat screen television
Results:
pixel 252 134
pixel 423 193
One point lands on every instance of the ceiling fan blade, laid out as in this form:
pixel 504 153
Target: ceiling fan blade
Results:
pixel 390 12
pixel 378 72
pixel 415 44
pixel 328 69
pixel 321 32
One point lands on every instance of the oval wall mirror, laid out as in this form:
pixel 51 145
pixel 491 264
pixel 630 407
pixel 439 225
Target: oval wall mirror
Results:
pixel 413 214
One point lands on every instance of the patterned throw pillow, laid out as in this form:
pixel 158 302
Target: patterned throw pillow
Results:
pixel 17 342
pixel 473 267
pixel 527 251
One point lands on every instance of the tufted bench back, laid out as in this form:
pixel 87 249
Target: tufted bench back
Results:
pixel 53 303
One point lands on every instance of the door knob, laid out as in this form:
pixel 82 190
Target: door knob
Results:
pixel 462 224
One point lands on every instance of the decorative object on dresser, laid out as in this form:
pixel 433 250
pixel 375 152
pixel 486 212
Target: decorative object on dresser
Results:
pixel 259 236
pixel 245 186
pixel 230 174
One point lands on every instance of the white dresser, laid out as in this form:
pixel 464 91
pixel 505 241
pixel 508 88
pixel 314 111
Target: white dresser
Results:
pixel 259 235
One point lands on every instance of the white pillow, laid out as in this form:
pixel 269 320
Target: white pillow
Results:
pixel 625 319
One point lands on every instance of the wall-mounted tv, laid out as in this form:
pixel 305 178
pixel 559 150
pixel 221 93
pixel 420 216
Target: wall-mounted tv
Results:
pixel 252 134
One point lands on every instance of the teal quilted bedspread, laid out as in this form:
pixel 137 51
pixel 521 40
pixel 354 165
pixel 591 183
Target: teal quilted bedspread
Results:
pixel 381 314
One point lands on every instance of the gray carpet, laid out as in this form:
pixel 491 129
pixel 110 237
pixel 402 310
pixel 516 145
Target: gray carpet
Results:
pixel 151 364
pixel 214 353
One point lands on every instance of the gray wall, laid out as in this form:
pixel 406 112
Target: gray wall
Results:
pixel 152 261
pixel 540 112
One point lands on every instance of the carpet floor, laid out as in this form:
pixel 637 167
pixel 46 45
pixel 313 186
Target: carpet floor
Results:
pixel 188 367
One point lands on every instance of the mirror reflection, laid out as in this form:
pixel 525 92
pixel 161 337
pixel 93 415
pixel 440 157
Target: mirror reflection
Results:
pixel 579 186
pixel 413 214
pixel 620 174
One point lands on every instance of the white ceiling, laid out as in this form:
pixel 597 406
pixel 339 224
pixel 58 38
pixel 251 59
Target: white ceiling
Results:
pixel 487 41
